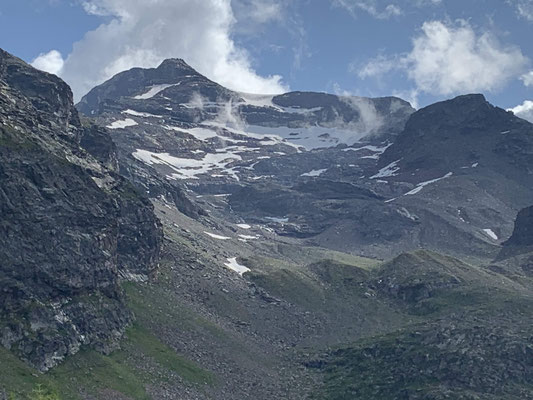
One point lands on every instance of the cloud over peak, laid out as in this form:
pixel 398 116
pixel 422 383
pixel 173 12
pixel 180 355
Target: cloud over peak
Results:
pixel 142 33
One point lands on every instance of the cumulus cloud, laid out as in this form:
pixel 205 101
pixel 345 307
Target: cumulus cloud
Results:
pixel 51 62
pixel 142 33
pixel 452 58
pixel 524 110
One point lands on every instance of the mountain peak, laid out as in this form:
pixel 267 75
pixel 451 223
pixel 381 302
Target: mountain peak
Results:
pixel 174 62
pixel 136 80
pixel 174 67
pixel 463 131
pixel 472 97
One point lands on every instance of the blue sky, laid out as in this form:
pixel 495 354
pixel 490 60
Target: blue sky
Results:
pixel 421 50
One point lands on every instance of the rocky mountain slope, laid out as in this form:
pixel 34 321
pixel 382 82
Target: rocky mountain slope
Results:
pixel 268 205
pixel 339 172
pixel 71 226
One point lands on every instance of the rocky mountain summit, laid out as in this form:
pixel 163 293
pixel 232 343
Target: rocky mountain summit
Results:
pixel 71 226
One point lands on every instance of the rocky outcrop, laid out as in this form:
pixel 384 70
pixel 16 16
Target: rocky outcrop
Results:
pixel 523 231
pixel 518 250
pixel 70 225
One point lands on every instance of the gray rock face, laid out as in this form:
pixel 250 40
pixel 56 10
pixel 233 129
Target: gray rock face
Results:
pixel 463 132
pixel 523 231
pixel 517 252
pixel 71 226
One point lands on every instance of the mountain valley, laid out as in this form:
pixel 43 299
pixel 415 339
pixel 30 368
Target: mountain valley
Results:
pixel 168 238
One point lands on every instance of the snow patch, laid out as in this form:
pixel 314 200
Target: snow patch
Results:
pixel 315 172
pixel 491 234
pixel 189 168
pixel 422 185
pixel 153 91
pixel 371 148
pixel 309 137
pixel 141 114
pixel 248 237
pixel 388 171
pixel 201 134
pixel 277 219
pixel 122 124
pixel 235 266
pixel 244 226
pixel 218 237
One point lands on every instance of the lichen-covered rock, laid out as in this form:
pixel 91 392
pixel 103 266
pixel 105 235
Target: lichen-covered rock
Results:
pixel 70 225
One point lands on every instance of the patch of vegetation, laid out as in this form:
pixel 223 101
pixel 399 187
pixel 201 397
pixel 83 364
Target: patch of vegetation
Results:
pixel 92 372
pixel 140 339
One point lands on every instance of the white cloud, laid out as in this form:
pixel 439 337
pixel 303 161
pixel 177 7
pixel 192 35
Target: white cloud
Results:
pixel 372 7
pixel 524 110
pixel 452 58
pixel 141 33
pixel 258 11
pixel 51 62
pixel 527 79
pixel 377 67
pixel 424 3
pixel 524 8
pixel 383 9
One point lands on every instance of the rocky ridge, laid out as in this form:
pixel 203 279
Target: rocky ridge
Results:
pixel 339 172
pixel 71 226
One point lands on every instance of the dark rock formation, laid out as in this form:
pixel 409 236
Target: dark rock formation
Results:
pixel 520 244
pixel 459 133
pixel 70 225
pixel 523 232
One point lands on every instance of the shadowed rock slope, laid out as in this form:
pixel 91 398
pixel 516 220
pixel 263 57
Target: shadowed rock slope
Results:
pixel 70 227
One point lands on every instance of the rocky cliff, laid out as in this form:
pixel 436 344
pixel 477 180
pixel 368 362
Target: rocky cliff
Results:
pixel 518 250
pixel 70 228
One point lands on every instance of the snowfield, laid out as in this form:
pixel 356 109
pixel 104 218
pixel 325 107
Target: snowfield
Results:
pixel 190 168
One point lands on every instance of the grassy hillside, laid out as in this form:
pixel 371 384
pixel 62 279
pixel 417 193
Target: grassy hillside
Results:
pixel 474 342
